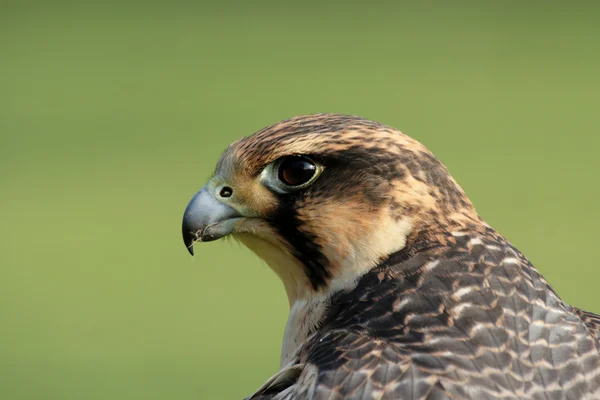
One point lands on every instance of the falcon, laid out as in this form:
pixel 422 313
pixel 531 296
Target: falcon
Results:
pixel 397 288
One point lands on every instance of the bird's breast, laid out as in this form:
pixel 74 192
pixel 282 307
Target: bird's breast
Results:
pixel 303 321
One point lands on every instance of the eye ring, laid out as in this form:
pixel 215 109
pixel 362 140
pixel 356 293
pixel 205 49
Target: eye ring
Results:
pixel 296 171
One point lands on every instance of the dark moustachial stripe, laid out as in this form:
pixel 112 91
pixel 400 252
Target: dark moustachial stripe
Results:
pixel 304 245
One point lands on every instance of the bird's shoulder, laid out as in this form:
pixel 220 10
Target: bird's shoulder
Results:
pixel 472 319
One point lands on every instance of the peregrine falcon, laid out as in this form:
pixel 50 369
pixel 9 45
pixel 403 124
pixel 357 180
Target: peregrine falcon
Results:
pixel 397 288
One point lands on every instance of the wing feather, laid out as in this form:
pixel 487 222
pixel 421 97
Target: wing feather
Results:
pixel 477 322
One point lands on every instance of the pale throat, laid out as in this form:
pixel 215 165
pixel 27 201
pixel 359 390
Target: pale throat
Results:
pixel 289 269
pixel 349 254
pixel 348 260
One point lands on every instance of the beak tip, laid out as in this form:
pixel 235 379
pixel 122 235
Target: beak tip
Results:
pixel 190 248
pixel 188 240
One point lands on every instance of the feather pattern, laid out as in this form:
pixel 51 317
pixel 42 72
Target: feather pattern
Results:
pixel 472 320
pixel 397 288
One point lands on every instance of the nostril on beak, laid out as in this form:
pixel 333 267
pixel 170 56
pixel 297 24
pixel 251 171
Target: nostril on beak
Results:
pixel 226 191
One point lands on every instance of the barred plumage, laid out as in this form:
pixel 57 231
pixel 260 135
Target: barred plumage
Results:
pixel 397 288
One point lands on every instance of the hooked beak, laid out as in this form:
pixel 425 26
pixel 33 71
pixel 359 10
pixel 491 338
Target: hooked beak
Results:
pixel 206 219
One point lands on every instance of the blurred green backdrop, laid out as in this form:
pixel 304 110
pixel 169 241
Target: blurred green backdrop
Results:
pixel 112 116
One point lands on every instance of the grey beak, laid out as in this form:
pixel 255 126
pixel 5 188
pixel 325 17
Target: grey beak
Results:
pixel 206 219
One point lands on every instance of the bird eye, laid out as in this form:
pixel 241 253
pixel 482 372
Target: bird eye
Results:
pixel 290 173
pixel 296 171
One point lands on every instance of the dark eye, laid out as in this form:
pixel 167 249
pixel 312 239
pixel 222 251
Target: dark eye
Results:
pixel 296 170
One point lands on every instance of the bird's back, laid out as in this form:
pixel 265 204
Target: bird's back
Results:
pixel 472 319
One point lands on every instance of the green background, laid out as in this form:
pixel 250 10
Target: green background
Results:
pixel 112 116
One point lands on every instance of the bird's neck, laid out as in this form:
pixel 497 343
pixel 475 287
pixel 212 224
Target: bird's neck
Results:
pixel 394 240
pixel 308 307
pixel 344 256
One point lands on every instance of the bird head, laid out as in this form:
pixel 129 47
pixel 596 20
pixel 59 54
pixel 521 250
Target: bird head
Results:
pixel 324 198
